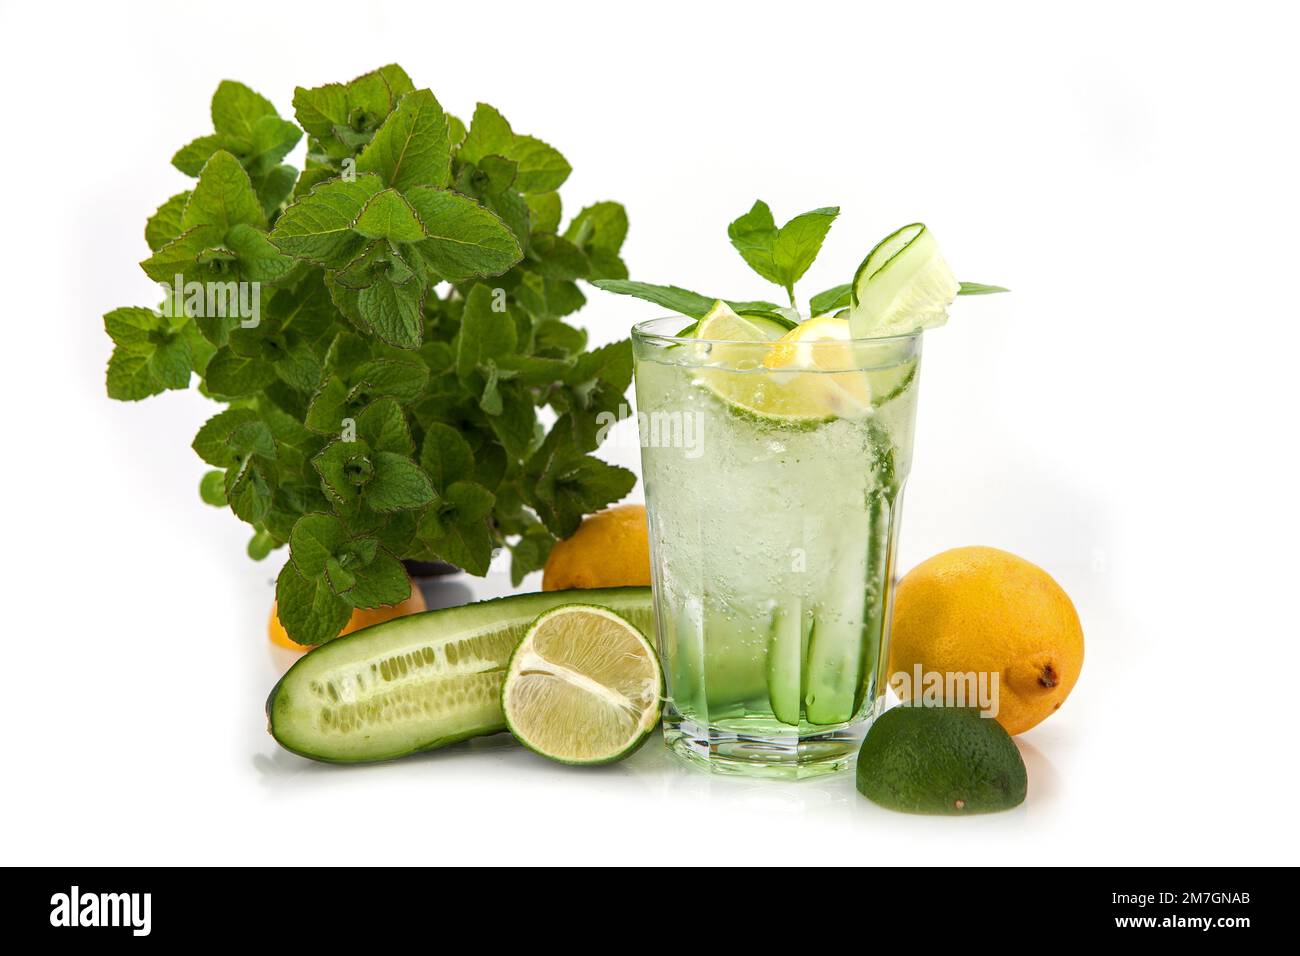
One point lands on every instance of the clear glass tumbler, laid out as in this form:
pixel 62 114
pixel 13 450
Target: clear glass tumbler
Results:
pixel 773 484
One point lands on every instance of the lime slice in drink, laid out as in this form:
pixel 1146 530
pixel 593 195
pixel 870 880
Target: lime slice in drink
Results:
pixel 903 285
pixel 722 323
pixel 735 370
pixel 583 687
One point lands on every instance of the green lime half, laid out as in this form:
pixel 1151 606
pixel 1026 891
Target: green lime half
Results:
pixel 738 378
pixel 583 687
pixel 903 285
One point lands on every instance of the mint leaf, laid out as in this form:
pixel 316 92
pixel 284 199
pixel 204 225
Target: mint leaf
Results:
pixel 833 299
pixel 190 158
pixel 398 484
pixel 354 568
pixel 345 468
pixel 979 288
pixel 530 552
pixel 318 227
pixel 465 240
pixel 315 539
pixel 223 197
pixel 259 260
pixel 149 356
pixel 489 135
pixel 455 527
pixel 799 242
pixel 383 427
pixel 248 128
pixel 261 544
pixel 388 216
pixel 233 375
pixel 555 257
pixel 484 335
pixel 412 148
pixel 181 254
pixel 211 443
pixel 593 392
pixel 310 612
pixel 212 489
pixel 679 300
pixel 516 426
pixel 129 378
pixel 754 236
pixel 247 489
pixel 391 378
pixel 445 456
pixel 165 224
pixel 235 109
pixel 321 109
pixel 541 168
pixel 552 337
pixel 271 140
pixel 338 398
pixel 394 311
pixel 599 231
pixel 548 298
pixel 379 583
pixel 780 255
pixel 545 210
pixel 252 438
pixel 566 484
pixel 276 187
pixel 343 118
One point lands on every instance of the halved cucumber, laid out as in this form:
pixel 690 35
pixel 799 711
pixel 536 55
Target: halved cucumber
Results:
pixel 418 682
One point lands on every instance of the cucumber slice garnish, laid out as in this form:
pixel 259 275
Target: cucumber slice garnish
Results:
pixel 417 682
pixel 903 285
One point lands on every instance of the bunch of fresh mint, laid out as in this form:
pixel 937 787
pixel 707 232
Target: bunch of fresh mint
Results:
pixel 780 254
pixel 383 327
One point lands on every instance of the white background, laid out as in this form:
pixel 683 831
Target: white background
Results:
pixel 1126 418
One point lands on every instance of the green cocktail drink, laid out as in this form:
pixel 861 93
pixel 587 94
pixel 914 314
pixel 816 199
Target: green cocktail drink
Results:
pixel 774 459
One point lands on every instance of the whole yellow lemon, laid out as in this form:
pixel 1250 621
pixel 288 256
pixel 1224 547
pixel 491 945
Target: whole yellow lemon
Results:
pixel 610 549
pixel 987 611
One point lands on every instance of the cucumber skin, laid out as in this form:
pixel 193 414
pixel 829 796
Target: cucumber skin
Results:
pixel 528 606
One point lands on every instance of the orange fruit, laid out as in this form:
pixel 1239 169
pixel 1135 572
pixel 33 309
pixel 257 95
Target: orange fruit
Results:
pixel 361 617
pixel 610 549
pixel 984 611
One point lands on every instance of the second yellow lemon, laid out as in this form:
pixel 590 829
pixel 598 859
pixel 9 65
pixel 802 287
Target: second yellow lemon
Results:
pixel 984 611
pixel 610 549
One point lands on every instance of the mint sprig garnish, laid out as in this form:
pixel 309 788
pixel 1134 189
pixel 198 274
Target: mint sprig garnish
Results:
pixel 780 254
pixel 391 320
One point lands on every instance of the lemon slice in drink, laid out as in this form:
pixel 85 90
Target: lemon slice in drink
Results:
pixel 583 687
pixel 737 373
pixel 903 285
pixel 824 346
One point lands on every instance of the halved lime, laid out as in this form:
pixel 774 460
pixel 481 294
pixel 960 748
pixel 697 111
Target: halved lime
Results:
pixel 583 687
pixel 903 285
